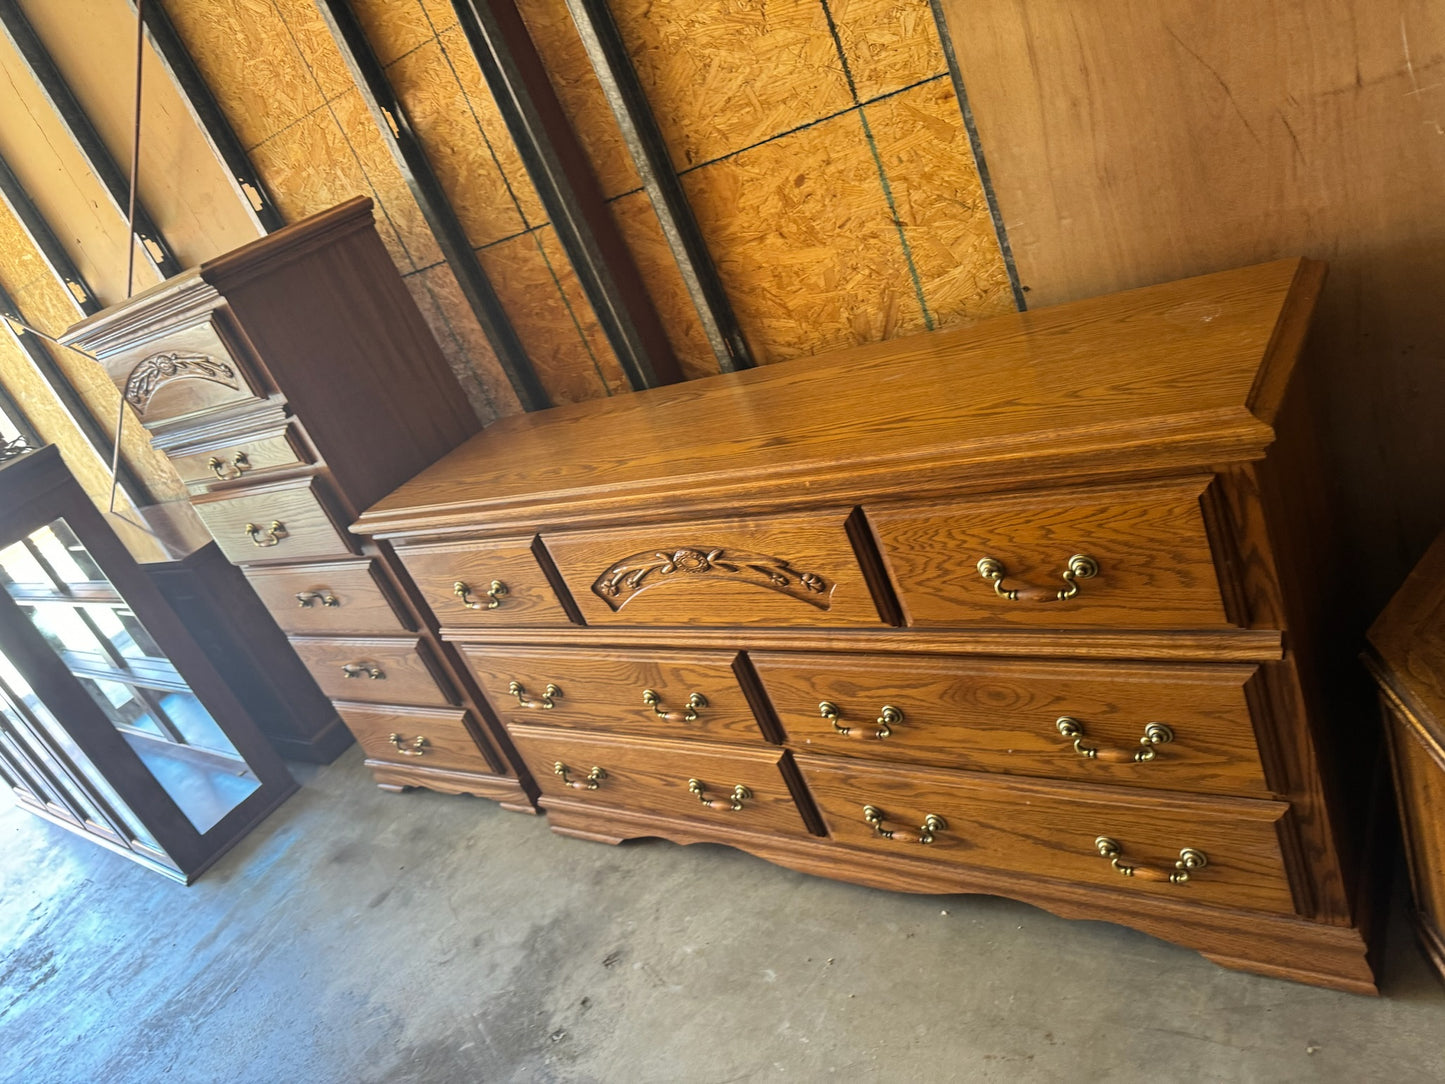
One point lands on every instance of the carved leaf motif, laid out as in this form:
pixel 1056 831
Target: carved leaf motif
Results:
pixel 633 575
pixel 160 369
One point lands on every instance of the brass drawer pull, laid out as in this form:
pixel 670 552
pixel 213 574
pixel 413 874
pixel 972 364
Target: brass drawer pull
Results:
pixel 593 780
pixel 274 534
pixel 304 599
pixel 1189 860
pixel 239 465
pixel 694 703
pixel 363 669
pixel 888 718
pixel 733 802
pixel 414 748
pixel 496 591
pixel 545 702
pixel 931 824
pixel 1080 567
pixel 1155 735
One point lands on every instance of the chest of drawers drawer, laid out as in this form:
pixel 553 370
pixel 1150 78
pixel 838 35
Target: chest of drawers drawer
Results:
pixel 241 459
pixel 330 598
pixel 1118 557
pixel 484 584
pixel 1173 727
pixel 415 737
pixel 281 521
pixel 1220 852
pixel 658 693
pixel 726 787
pixel 378 671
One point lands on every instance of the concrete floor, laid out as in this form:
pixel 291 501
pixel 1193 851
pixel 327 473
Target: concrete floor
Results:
pixel 364 936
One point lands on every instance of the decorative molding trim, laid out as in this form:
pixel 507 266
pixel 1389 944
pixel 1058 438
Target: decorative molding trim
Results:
pixel 156 371
pixel 630 576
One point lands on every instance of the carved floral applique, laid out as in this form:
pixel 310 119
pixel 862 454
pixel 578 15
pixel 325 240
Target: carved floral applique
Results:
pixel 642 570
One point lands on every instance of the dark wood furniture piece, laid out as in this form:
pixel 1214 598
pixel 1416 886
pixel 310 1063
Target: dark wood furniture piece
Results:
pixel 113 723
pixel 292 382
pixel 1027 608
pixel 1407 657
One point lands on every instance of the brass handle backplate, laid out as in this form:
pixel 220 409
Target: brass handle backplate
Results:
pixel 1189 861
pixel 496 591
pixel 733 803
pixel 304 599
pixel 888 718
pixel 363 669
pixel 1080 567
pixel 925 834
pixel 545 702
pixel 239 466
pixel 592 782
pixel 274 534
pixel 1155 735
pixel 414 748
pixel 695 702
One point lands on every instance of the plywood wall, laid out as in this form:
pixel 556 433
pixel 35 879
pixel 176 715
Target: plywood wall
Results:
pixel 1146 140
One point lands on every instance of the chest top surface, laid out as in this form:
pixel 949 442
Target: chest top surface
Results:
pixel 1188 372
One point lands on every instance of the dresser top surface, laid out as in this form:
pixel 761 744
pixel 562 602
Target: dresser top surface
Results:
pixel 1196 365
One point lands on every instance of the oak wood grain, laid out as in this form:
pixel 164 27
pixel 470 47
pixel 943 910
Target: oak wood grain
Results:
pixel 310 530
pixel 446 741
pixel 335 598
pixel 407 671
pixel 528 598
pixel 242 460
pixel 998 715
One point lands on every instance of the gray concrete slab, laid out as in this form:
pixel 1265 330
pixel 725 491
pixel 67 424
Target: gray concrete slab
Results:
pixel 365 936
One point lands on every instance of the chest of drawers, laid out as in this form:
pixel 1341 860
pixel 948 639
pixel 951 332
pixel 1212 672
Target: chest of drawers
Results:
pixel 292 383
pixel 1029 608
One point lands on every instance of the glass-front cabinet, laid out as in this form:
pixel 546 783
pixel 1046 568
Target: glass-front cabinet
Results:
pixel 111 721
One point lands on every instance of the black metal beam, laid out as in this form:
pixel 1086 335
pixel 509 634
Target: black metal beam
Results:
pixel 82 132
pixel 13 193
pixel 15 415
pixel 623 90
pixel 225 145
pixel 396 130
pixel 560 172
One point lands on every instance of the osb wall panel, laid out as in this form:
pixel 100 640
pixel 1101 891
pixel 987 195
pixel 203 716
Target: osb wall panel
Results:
pixel 193 200
pixel 824 155
pixel 1149 139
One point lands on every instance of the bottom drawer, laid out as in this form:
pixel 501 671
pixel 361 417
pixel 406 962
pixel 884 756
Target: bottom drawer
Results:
pixel 730 788
pixel 415 737
pixel 1229 849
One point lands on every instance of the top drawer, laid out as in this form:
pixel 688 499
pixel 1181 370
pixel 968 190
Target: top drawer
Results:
pixel 797 570
pixel 484 584
pixel 188 371
pixel 1118 557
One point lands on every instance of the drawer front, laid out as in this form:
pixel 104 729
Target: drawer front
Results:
pixel 415 737
pixel 271 523
pixel 186 372
pixel 694 782
pixel 1149 725
pixel 606 691
pixel 1148 561
pixel 396 671
pixel 332 598
pixel 484 584
pixel 1053 831
pixel 798 570
pixel 240 460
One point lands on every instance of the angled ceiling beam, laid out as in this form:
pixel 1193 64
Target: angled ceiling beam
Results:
pixel 610 60
pixel 17 419
pixel 82 132
pixel 225 145
pixel 406 150
pixel 56 258
pixel 560 172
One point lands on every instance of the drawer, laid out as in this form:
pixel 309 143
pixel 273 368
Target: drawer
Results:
pixel 415 737
pixel 241 459
pixel 637 775
pixel 331 598
pixel 188 371
pixel 391 671
pixel 1005 716
pixel 797 570
pixel 696 693
pixel 1051 830
pixel 1146 559
pixel 283 520
pixel 484 584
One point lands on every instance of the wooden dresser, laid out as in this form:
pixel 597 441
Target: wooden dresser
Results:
pixel 1407 657
pixel 293 382
pixel 1024 608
